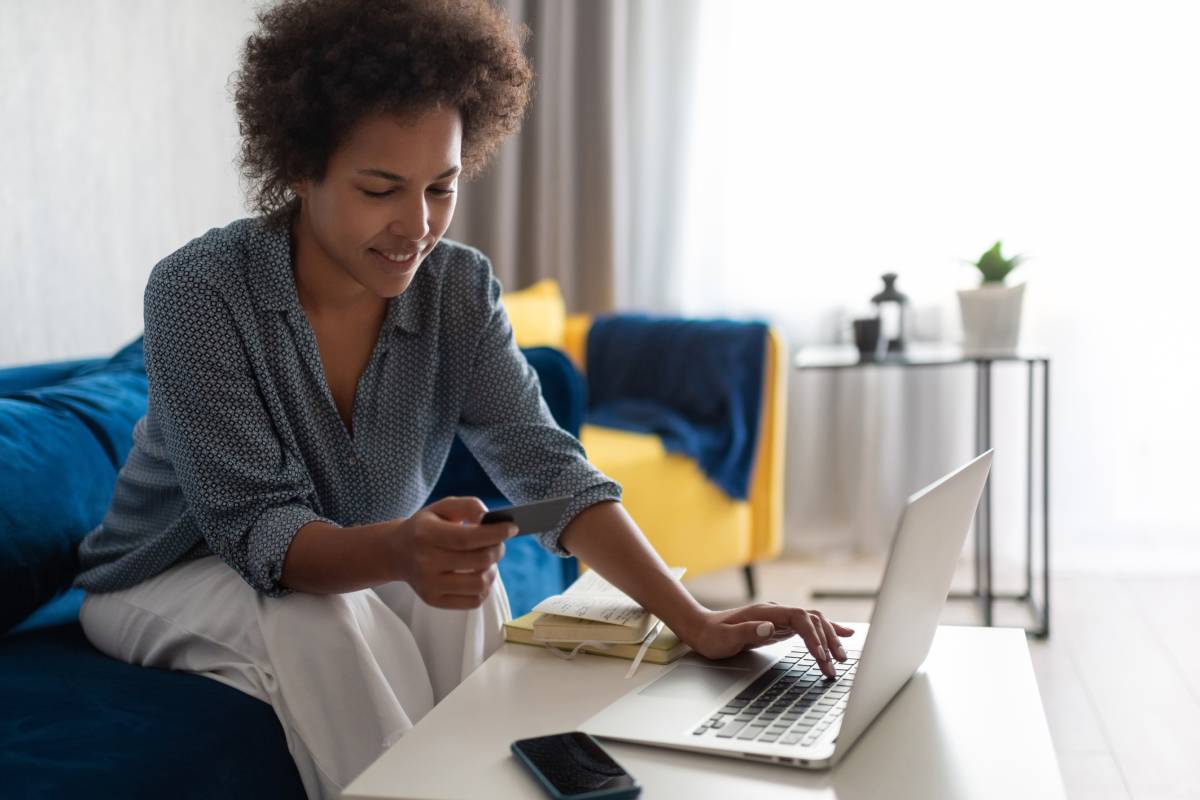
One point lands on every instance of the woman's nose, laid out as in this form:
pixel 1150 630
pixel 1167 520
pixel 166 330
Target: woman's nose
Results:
pixel 412 222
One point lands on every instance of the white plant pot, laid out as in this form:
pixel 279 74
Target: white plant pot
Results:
pixel 991 318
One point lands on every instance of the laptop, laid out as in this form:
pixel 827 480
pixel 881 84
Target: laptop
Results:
pixel 773 703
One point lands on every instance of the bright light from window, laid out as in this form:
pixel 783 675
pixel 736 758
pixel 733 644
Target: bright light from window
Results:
pixel 838 141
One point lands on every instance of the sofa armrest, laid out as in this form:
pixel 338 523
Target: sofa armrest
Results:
pixel 766 482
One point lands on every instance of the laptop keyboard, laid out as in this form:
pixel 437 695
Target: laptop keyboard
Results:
pixel 791 703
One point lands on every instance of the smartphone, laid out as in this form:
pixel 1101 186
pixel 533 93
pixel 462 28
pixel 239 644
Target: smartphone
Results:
pixel 532 518
pixel 573 766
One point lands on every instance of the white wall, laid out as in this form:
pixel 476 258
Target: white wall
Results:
pixel 117 141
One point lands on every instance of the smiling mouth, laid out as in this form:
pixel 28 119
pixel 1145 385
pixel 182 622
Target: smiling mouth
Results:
pixel 398 259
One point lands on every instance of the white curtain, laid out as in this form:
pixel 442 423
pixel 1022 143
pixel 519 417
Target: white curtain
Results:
pixel 835 142
pixel 663 48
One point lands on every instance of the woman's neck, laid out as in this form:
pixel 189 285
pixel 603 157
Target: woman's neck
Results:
pixel 324 289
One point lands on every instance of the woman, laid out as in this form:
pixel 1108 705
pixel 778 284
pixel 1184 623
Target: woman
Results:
pixel 308 370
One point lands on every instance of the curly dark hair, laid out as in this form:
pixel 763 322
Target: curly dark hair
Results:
pixel 316 68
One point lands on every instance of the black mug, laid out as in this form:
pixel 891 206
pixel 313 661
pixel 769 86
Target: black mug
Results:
pixel 866 337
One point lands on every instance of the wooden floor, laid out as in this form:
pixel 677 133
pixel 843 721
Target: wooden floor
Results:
pixel 1119 676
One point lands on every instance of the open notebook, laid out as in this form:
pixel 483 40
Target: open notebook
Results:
pixel 592 609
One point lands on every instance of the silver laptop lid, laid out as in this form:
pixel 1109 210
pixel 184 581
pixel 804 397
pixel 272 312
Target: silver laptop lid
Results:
pixel 916 582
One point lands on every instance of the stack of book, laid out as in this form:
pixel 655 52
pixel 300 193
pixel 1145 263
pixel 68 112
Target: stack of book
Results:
pixel 594 611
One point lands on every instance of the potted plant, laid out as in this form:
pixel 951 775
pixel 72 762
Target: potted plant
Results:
pixel 991 314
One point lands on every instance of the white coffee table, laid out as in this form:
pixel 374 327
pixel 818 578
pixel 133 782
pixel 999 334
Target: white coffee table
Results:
pixel 968 725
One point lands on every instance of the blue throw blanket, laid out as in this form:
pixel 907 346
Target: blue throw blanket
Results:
pixel 695 383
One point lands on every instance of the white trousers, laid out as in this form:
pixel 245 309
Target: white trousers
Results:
pixel 347 674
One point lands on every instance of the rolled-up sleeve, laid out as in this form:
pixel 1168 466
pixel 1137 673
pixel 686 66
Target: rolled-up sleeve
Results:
pixel 246 491
pixel 507 426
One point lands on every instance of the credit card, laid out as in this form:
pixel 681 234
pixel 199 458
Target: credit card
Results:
pixel 532 517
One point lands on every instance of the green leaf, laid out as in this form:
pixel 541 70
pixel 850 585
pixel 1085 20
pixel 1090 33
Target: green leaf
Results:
pixel 994 266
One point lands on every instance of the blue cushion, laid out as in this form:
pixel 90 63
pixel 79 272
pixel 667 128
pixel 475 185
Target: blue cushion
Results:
pixel 63 445
pixel 14 379
pixel 62 610
pixel 77 723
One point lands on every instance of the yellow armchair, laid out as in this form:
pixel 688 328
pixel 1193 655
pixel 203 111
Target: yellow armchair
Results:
pixel 690 521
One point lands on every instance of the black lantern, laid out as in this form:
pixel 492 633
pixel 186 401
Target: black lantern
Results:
pixel 891 307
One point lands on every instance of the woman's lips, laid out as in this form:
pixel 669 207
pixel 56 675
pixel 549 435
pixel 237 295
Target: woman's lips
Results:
pixel 397 266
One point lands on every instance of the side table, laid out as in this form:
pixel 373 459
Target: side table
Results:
pixel 847 358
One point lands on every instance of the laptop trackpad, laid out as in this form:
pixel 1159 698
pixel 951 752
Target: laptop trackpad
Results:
pixel 691 682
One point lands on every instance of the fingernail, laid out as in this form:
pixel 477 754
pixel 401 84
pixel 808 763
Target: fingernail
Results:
pixel 764 629
pixel 841 652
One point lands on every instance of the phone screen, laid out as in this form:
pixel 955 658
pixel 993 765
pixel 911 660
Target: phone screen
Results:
pixel 574 764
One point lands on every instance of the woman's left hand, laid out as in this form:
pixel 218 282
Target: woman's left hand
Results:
pixel 720 634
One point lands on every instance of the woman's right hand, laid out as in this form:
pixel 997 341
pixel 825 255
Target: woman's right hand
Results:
pixel 448 563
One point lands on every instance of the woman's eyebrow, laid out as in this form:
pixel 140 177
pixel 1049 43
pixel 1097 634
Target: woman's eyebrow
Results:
pixel 391 176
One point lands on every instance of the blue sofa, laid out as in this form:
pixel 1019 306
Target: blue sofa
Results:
pixel 75 722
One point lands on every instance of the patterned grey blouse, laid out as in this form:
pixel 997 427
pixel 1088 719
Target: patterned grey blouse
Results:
pixel 241 444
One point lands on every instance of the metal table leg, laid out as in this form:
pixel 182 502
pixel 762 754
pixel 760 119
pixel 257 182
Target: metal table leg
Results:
pixel 1028 594
pixel 983 526
pixel 1045 631
pixel 1039 610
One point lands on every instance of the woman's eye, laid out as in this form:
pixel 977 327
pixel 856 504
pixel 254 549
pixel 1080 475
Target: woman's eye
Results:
pixel 440 191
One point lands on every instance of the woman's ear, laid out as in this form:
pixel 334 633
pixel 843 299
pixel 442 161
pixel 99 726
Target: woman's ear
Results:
pixel 300 188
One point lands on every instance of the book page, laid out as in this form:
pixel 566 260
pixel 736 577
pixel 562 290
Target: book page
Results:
pixel 592 597
pixel 615 610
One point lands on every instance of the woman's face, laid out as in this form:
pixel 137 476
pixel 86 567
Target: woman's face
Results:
pixel 387 198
